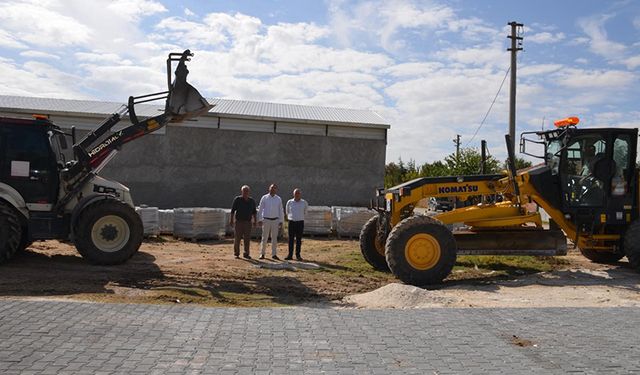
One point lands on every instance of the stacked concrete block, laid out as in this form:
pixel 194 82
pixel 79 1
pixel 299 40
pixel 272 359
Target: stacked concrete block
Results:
pixel 348 221
pixel 199 223
pixel 318 220
pixel 150 220
pixel 165 221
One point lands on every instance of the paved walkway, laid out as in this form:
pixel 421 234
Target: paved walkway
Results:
pixel 68 337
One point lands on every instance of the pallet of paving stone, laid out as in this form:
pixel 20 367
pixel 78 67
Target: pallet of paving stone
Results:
pixel 165 221
pixel 318 221
pixel 348 221
pixel 199 223
pixel 150 220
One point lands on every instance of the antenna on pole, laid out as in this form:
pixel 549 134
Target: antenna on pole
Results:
pixel 516 45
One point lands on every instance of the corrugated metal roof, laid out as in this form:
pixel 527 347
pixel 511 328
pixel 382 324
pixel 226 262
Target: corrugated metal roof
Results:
pixel 223 108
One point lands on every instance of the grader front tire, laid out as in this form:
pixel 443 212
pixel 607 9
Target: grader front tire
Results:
pixel 372 250
pixel 600 256
pixel 420 250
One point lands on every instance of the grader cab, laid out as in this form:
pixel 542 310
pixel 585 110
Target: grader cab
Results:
pixel 587 183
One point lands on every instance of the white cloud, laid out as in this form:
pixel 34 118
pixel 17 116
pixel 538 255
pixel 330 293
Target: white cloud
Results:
pixel 135 9
pixel 39 55
pixel 599 42
pixel 595 79
pixel 632 62
pixel 537 69
pixel 40 26
pixel 188 12
pixel 37 79
pixel 9 41
pixel 385 20
pixel 545 37
pixel 490 55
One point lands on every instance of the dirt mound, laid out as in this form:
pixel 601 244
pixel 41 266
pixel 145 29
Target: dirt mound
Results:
pixel 577 287
pixel 399 296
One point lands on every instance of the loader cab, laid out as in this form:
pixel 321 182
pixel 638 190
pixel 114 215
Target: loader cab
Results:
pixel 31 153
pixel 596 172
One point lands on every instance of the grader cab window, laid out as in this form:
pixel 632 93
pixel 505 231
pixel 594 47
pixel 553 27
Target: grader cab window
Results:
pixel 581 187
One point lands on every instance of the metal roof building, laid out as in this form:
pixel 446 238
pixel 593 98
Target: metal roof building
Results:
pixel 336 155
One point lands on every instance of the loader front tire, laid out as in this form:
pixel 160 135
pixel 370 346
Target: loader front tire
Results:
pixel 632 244
pixel 372 249
pixel 420 251
pixel 108 232
pixel 10 231
pixel 601 256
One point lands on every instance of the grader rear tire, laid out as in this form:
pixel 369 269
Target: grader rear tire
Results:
pixel 601 256
pixel 420 250
pixel 632 244
pixel 10 231
pixel 372 250
pixel 108 232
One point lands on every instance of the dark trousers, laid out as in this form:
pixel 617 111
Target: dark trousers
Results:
pixel 242 230
pixel 295 231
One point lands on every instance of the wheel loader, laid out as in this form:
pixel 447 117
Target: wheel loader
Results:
pixel 587 183
pixel 43 196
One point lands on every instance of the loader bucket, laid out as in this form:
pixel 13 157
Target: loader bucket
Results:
pixel 184 101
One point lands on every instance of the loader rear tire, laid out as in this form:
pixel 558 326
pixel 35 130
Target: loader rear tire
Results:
pixel 372 250
pixel 108 232
pixel 632 244
pixel 601 256
pixel 10 231
pixel 420 250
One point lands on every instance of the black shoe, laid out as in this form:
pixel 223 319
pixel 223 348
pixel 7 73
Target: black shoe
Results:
pixel 288 258
pixel 237 256
pixel 246 256
pixel 299 258
pixel 275 257
pixel 261 256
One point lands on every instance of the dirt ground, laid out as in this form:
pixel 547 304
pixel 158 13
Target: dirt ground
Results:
pixel 332 275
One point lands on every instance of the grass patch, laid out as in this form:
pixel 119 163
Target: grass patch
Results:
pixel 473 266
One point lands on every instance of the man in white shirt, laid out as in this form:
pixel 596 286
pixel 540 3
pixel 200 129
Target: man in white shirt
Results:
pixel 296 211
pixel 271 217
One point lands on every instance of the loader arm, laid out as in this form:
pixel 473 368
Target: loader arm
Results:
pixel 183 102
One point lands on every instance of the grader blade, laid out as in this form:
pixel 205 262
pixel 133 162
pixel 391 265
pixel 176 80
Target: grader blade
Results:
pixel 529 242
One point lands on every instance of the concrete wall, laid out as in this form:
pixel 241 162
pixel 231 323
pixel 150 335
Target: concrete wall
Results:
pixel 191 166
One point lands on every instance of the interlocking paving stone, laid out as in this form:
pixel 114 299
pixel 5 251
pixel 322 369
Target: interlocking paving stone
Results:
pixel 46 337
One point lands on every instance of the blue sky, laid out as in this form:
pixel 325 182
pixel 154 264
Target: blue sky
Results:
pixel 431 68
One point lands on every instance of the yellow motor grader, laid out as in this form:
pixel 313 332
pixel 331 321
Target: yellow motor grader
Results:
pixel 588 185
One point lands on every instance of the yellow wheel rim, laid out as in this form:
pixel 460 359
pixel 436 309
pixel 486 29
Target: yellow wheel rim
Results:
pixel 379 247
pixel 422 251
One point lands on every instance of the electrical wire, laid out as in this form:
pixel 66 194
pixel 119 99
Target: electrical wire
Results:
pixel 490 107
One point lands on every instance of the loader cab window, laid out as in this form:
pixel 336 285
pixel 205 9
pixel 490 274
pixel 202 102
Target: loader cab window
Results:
pixel 553 156
pixel 580 185
pixel 622 173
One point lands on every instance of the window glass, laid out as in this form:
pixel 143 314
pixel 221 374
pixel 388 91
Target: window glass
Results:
pixel 581 186
pixel 28 144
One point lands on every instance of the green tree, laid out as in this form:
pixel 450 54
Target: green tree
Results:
pixel 397 173
pixel 520 163
pixel 435 169
pixel 469 163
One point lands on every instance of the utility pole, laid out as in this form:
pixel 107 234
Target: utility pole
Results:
pixel 457 143
pixel 483 157
pixel 516 45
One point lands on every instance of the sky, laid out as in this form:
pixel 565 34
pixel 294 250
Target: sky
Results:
pixel 430 68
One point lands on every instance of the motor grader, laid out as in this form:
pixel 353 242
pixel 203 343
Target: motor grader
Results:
pixel 587 184
pixel 43 196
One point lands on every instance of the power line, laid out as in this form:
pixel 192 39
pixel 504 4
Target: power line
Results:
pixel 490 107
